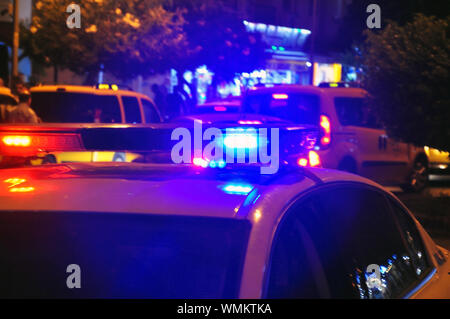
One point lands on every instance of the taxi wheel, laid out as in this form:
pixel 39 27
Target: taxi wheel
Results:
pixel 418 180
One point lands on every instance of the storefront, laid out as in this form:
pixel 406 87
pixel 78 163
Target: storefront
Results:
pixel 288 64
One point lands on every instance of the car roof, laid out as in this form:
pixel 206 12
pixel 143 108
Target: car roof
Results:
pixel 236 102
pixel 5 91
pixel 232 118
pixel 292 88
pixel 85 89
pixel 154 189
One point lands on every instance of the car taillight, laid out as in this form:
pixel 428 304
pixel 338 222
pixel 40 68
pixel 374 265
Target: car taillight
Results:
pixel 312 160
pixel 30 145
pixel 325 128
pixel 23 141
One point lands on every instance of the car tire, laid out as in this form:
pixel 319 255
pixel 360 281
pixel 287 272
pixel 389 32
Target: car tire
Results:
pixel 418 179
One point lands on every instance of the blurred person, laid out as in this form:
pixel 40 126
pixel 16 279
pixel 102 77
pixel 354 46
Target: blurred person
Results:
pixel 23 113
pixel 176 102
pixel 160 99
pixel 17 85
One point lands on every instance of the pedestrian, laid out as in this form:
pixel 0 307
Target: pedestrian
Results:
pixel 23 113
pixel 160 99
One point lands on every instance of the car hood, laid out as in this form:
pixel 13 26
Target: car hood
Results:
pixel 123 187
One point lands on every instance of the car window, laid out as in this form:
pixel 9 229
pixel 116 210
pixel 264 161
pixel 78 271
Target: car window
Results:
pixel 345 232
pixel 355 112
pixel 151 116
pixel 412 239
pixel 294 107
pixel 132 112
pixel 121 255
pixel 70 107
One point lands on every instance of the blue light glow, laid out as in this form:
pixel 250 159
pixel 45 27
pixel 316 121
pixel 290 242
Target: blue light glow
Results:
pixel 219 164
pixel 241 139
pixel 239 189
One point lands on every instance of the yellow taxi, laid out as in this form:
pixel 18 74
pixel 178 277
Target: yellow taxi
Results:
pixel 103 103
pixel 439 161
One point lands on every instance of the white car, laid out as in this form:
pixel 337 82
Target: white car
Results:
pixel 89 104
pixel 351 138
pixel 177 231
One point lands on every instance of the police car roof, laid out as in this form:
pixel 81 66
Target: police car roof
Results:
pixel 155 189
pixel 292 88
pixel 83 89
pixel 218 117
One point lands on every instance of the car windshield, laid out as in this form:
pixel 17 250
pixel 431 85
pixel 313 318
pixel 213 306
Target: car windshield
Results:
pixel 127 255
pixel 298 108
pixel 68 107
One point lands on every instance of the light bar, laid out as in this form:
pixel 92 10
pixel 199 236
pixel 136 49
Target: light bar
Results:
pixel 325 126
pixel 31 144
pixel 239 189
pixel 243 122
pixel 313 160
pixel 17 140
pixel 198 161
pixel 280 96
pixel 240 140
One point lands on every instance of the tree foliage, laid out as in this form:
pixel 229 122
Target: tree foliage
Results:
pixel 133 37
pixel 127 37
pixel 217 38
pixel 407 73
pixel 401 11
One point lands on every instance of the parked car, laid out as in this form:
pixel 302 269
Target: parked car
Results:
pixel 439 161
pixel 351 140
pixel 88 104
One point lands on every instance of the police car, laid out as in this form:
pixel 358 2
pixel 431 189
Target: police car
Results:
pixel 352 140
pixel 149 230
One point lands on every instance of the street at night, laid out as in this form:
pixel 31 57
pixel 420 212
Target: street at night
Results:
pixel 224 158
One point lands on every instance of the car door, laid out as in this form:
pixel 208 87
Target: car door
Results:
pixel 343 241
pixel 132 110
pixel 438 283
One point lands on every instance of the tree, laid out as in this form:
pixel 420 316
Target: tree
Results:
pixel 407 73
pixel 126 37
pixel 217 38
pixel 353 25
